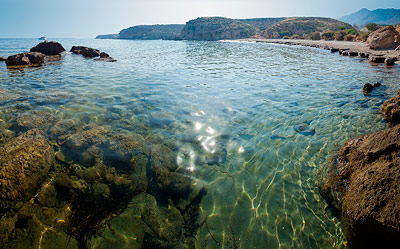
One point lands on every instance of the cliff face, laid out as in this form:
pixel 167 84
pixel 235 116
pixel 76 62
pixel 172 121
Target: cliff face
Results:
pixel 110 36
pixel 303 25
pixel 152 32
pixel 217 28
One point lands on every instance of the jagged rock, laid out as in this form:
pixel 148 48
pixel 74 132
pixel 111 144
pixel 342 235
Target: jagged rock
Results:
pixel 22 59
pixel 23 166
pixel 48 48
pixel 391 109
pixel 363 183
pixel 105 57
pixel 369 87
pixel 85 51
pixel 382 38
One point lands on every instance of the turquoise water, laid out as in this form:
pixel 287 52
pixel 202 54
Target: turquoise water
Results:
pixel 251 122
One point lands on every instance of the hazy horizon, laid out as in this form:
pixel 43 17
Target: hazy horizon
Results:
pixel 86 19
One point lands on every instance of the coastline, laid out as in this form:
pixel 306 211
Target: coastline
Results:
pixel 360 49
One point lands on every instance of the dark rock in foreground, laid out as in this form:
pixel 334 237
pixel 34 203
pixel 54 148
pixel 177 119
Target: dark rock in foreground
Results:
pixel 390 61
pixel 22 59
pixel 3 58
pixel 85 51
pixel 363 183
pixel 23 166
pixel 369 87
pixel 376 59
pixel 391 109
pixel 48 48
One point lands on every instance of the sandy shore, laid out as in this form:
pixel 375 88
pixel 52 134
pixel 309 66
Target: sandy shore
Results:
pixel 357 47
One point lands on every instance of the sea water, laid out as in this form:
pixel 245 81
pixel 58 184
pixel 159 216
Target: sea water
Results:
pixel 251 122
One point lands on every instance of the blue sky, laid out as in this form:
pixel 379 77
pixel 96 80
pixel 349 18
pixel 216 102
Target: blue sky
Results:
pixel 88 18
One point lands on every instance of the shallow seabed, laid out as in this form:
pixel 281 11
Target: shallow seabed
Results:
pixel 251 122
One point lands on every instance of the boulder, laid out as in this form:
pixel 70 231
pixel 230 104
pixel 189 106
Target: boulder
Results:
pixel 24 165
pixel 334 50
pixel 353 53
pixel 363 183
pixel 391 109
pixel 369 87
pixel 48 48
pixel 363 55
pixel 382 38
pixel 85 51
pixel 3 58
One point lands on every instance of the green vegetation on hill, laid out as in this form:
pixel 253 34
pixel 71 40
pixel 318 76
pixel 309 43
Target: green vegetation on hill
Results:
pixel 152 32
pixel 303 26
pixel 217 28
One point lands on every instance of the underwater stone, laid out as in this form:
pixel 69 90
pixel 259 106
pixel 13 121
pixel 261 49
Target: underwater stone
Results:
pixel 25 163
pixel 41 120
pixel 48 196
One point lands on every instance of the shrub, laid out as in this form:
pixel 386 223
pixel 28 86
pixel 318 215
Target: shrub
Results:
pixel 372 26
pixel 349 37
pixel 364 36
pixel 284 33
pixel 315 36
pixel 339 35
pixel 341 28
pixel 295 36
pixel 286 37
pixel 328 35
pixel 351 32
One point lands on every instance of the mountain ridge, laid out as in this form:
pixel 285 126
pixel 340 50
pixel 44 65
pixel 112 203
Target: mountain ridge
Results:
pixel 379 16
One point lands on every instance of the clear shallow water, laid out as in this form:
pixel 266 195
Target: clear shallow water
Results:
pixel 251 122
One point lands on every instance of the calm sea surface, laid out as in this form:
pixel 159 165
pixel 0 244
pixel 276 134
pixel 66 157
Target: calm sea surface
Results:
pixel 251 122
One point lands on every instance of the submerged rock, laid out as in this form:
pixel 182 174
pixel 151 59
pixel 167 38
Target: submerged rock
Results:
pixel 85 51
pixel 48 48
pixel 23 59
pixel 382 38
pixel 23 166
pixel 105 57
pixel 391 109
pixel 363 183
pixel 41 120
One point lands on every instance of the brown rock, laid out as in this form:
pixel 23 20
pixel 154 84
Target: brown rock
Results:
pixel 391 109
pixel 389 61
pixel 3 58
pixel 363 183
pixel 382 38
pixel 23 166
pixel 25 59
pixel 376 59
pixel 367 88
pixel 85 51
pixel 106 57
pixel 49 48
pixel 363 55
pixel 353 53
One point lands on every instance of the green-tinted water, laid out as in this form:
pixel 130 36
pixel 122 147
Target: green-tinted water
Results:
pixel 250 122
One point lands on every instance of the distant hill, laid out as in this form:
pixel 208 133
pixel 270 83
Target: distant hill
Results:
pixel 110 36
pixel 217 28
pixel 379 16
pixel 303 25
pixel 152 32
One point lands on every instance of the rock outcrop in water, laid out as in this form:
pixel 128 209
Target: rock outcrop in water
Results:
pixel 383 38
pixel 85 51
pixel 48 48
pixel 363 184
pixel 391 109
pixel 23 59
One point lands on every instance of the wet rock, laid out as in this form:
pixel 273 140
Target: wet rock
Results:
pixel 24 164
pixel 3 58
pixel 382 38
pixel 41 120
pixel 343 50
pixel 376 59
pixel 85 51
pixel 389 61
pixel 363 55
pixel 23 59
pixel 334 50
pixel 84 146
pixel 105 57
pixel 345 53
pixel 391 109
pixel 362 183
pixel 353 53
pixel 48 48
pixel 367 88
